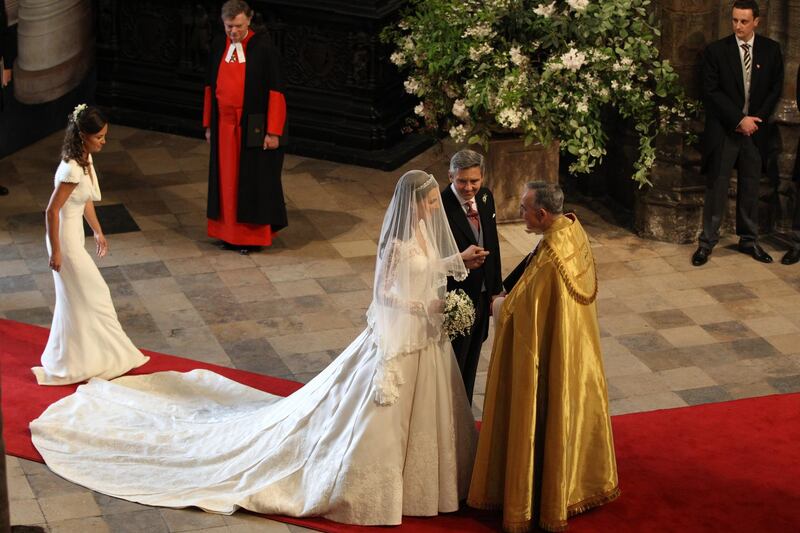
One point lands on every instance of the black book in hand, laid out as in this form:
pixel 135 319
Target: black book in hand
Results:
pixel 255 130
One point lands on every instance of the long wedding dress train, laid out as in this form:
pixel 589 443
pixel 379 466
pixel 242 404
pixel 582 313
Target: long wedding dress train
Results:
pixel 364 442
pixel 86 339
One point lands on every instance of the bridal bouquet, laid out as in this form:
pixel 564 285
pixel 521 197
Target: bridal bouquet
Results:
pixel 459 313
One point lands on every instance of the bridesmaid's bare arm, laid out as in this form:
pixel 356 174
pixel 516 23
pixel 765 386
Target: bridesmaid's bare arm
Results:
pixel 57 200
pixel 91 217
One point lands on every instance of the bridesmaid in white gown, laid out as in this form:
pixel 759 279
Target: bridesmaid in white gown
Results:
pixel 86 339
pixel 384 431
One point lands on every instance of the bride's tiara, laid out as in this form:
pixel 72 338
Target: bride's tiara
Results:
pixel 426 183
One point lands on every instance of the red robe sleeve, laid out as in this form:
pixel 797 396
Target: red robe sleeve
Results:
pixel 207 107
pixel 276 113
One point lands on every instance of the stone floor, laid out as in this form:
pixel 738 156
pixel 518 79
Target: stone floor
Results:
pixel 672 335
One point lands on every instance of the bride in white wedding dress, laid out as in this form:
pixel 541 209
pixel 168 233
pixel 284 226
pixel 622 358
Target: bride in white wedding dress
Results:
pixel 384 431
pixel 86 339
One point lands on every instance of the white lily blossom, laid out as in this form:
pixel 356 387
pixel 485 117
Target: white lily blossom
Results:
pixel 546 11
pixel 459 133
pixel 398 59
pixel 411 85
pixel 573 59
pixel 516 55
pixel 420 109
pixel 578 5
pixel 460 109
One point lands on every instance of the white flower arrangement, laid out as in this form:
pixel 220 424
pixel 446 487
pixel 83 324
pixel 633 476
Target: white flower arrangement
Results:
pixel 76 112
pixel 542 70
pixel 459 313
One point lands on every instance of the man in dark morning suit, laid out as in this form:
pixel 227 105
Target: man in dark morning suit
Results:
pixel 793 255
pixel 7 59
pixel 471 213
pixel 742 81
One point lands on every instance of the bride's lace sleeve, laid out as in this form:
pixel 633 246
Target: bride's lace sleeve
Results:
pixel 389 281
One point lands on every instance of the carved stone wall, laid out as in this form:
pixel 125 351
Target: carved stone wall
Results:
pixel 671 209
pixel 346 101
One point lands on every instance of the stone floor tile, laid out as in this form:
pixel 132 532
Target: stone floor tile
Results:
pixel 190 519
pixel 26 512
pixel 738 391
pixel 294 289
pixel 670 318
pixel 147 520
pixel 746 309
pixel 687 336
pixel 664 360
pixel 697 396
pixel 644 342
pixel 244 522
pixel 771 326
pixel 729 292
pixel 19 488
pixel 786 344
pixel 14 267
pixel 682 378
pixel 646 402
pixel 625 324
pixel 40 316
pixel 751 348
pixel 45 484
pixel 730 330
pixel 708 314
pixel 142 271
pixel 68 506
pixel 22 300
pixel 356 248
pixel 639 384
pixel 20 283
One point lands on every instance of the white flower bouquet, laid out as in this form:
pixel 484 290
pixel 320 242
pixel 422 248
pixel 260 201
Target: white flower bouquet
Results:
pixel 459 313
pixel 542 70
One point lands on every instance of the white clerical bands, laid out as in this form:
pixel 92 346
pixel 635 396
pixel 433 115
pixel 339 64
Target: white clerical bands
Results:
pixel 239 53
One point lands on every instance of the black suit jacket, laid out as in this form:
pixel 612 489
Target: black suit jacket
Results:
pixel 489 273
pixel 797 157
pixel 723 90
pixel 7 48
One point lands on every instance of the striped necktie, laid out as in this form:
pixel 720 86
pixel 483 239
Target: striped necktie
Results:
pixel 748 60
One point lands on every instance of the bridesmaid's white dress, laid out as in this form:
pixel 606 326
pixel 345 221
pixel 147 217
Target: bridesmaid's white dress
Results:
pixel 330 449
pixel 86 339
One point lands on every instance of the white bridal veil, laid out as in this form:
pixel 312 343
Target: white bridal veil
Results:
pixel 416 254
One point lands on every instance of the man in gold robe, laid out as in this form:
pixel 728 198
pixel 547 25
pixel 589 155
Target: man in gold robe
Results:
pixel 546 451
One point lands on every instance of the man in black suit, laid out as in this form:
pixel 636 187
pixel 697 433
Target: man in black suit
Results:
pixel 742 81
pixel 471 213
pixel 7 59
pixel 793 255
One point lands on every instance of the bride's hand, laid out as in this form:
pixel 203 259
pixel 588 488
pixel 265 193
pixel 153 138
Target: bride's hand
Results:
pixel 436 306
pixel 55 261
pixel 102 245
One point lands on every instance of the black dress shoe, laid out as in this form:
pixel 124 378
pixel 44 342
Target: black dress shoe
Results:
pixel 756 252
pixel 700 256
pixel 791 257
pixel 3 191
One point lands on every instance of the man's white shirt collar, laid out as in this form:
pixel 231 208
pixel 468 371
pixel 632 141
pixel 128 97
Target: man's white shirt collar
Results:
pixel 740 42
pixel 239 51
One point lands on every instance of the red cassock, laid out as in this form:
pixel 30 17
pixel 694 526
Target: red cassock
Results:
pixel 230 92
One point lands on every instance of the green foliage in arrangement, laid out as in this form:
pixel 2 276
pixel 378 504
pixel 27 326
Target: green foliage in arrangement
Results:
pixel 541 69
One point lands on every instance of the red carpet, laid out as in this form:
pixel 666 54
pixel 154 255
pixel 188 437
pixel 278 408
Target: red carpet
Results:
pixel 729 466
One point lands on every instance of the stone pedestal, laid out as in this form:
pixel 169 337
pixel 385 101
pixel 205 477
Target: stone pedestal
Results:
pixel 510 165
pixel 56 48
pixel 671 209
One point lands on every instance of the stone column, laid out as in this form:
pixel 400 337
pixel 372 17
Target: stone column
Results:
pixel 671 208
pixel 783 26
pixel 55 48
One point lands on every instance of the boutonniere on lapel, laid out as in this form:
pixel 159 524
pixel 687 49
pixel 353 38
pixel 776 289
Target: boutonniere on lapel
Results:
pixel 484 198
pixel 758 66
